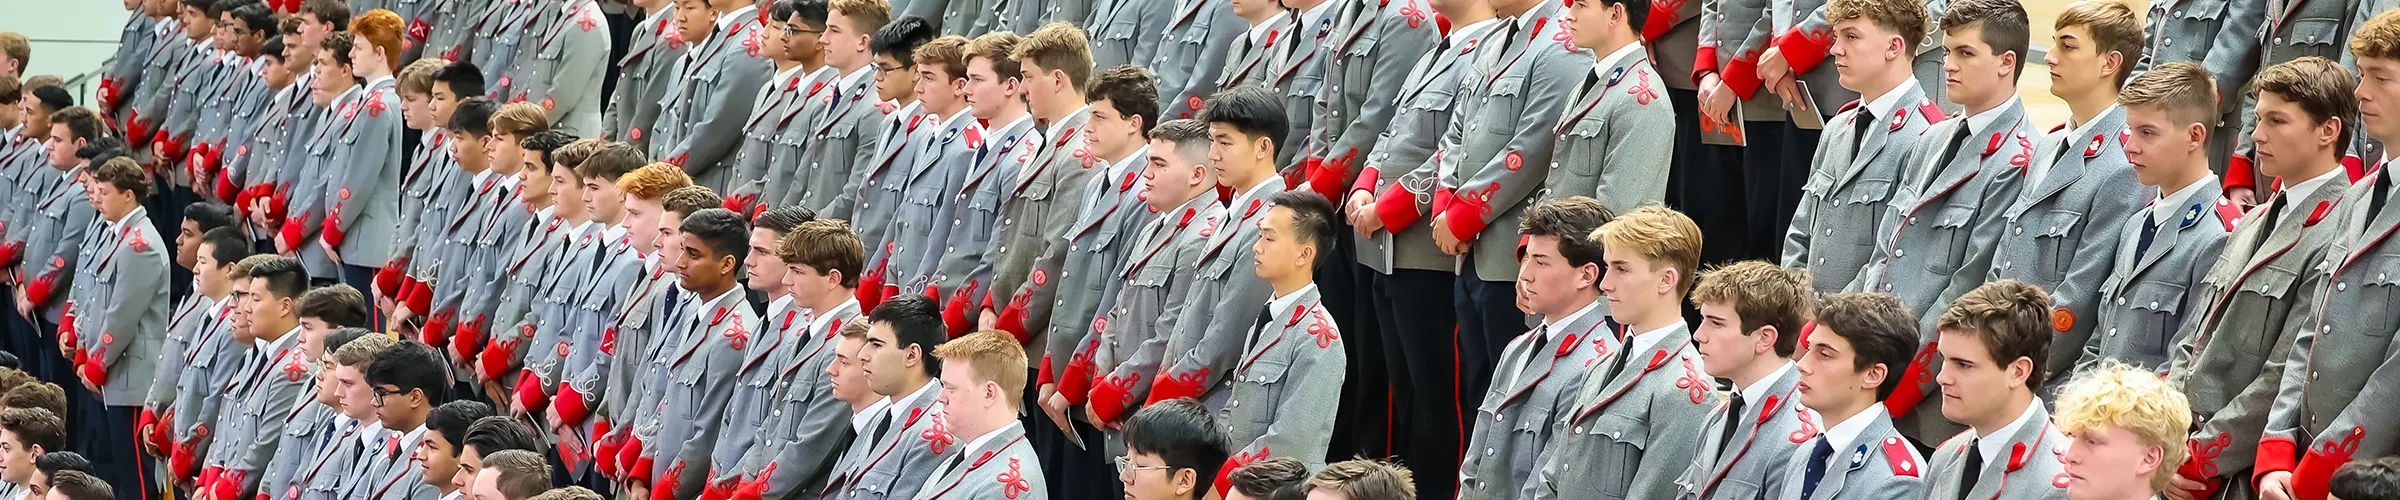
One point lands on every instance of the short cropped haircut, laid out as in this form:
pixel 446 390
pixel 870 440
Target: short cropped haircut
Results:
pixel 227 244
pixel 80 121
pixel 35 427
pixel 2115 394
pixel 52 463
pixel 780 10
pixel 417 77
pixel 2113 28
pixel 337 305
pixel 576 151
pixel 17 47
pixel 381 28
pixel 1571 220
pixel 1763 295
pixel 827 245
pixel 546 143
pixel 811 12
pixel 721 230
pixel 611 162
pixel 996 355
pixel 871 15
pixel 2362 479
pixel 123 174
pixel 2181 89
pixel 285 278
pixel 688 200
pixel 10 378
pixel 473 116
pixel 453 418
pixel 11 90
pixel 290 25
pixel 2011 318
pixel 1660 235
pixel 273 48
pixel 412 365
pixel 1251 109
pixel 257 17
pixel 1908 19
pixel 1189 136
pixel 523 473
pixel 1129 88
pixel 44 395
pixel 1272 478
pixel 241 269
pixel 338 45
pixel 361 353
pixel 997 47
pixel 1879 328
pixel 2321 88
pixel 496 434
pixel 1366 479
pixel 1181 433
pixel 653 181
pixel 569 493
pixel 2379 38
pixel 209 216
pixel 464 79
pixel 915 321
pixel 782 220
pixel 949 51
pixel 1313 219
pixel 2001 23
pixel 519 119
pixel 1062 47
pixel 76 485
pixel 343 337
pixel 51 97
pixel 335 12
pixel 900 38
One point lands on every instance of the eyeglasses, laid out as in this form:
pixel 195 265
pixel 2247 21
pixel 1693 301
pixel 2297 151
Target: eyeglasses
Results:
pixel 381 393
pixel 1126 468
pixel 893 68
pixel 794 29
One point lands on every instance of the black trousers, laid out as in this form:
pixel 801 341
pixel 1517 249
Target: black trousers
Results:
pixel 1421 356
pixel 1071 472
pixel 363 279
pixel 108 441
pixel 1487 319
pixel 18 334
pixel 1705 183
pixel 1364 420
pixel 1774 190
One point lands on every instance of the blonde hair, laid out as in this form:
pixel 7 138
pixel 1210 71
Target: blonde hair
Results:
pixel 2379 38
pixel 653 181
pixel 519 119
pixel 573 154
pixel 1763 295
pixel 995 355
pixel 1059 46
pixel 997 47
pixel 417 77
pixel 358 353
pixel 1660 235
pixel 949 51
pixel 2113 28
pixel 2115 394
pixel 871 15
pixel 2182 89
pixel 1903 17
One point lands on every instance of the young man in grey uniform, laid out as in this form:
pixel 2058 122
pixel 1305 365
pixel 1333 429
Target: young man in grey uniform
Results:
pixel 2167 247
pixel 208 357
pixel 757 391
pixel 408 381
pixel 359 221
pixel 1992 345
pixel 1846 369
pixel 1543 372
pixel 705 355
pixel 803 433
pixel 792 39
pixel 2233 362
pixel 995 95
pixel 569 60
pixel 1292 361
pixel 951 147
pixel 717 83
pixel 882 183
pixel 643 74
pixel 1039 205
pixel 1143 312
pixel 2290 30
pixel 269 386
pixel 1751 319
pixel 1192 53
pixel 1598 153
pixel 120 318
pixel 983 381
pixel 909 441
pixel 1861 161
pixel 845 135
pixel 2222 36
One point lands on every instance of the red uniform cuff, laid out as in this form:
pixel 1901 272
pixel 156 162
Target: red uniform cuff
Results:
pixel 1704 62
pixel 2239 173
pixel 1741 77
pixel 2275 454
pixel 1801 51
pixel 569 406
pixel 1398 208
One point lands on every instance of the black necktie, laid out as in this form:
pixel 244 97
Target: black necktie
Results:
pixel 1511 39
pixel 1956 141
pixel 1541 341
pixel 1858 133
pixel 1258 331
pixel 2141 247
pixel 944 470
pixel 2383 189
pixel 1974 470
pixel 1816 468
pixel 1733 420
pixel 882 426
pixel 1589 80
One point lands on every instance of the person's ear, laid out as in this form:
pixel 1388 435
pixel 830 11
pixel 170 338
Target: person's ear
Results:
pixel 2329 131
pixel 1765 338
pixel 1588 275
pixel 2197 134
pixel 1185 481
pixel 2008 62
pixel 1308 255
pixel 1876 375
pixel 2152 458
pixel 993 394
pixel 2113 64
pixel 1668 279
pixel 2020 370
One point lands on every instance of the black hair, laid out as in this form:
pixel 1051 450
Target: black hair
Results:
pixel 1637 12
pixel 50 463
pixel 914 320
pixel 273 48
pixel 54 98
pixel 411 365
pixel 900 39
pixel 219 8
pixel 257 17
pixel 285 278
pixel 499 433
pixel 812 13
pixel 9 360
pixel 339 337
pixel 781 10
pixel 2367 479
pixel 547 143
pixel 1251 109
pixel 782 220
pixel 1181 433
pixel 721 231
pixel 474 115
pixel 100 150
pixel 209 216
pixel 1312 217
pixel 464 79
pixel 203 5
pixel 230 245
pixel 1878 326
pixel 453 419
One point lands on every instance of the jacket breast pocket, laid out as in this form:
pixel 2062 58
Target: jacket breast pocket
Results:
pixel 1260 385
pixel 686 380
pixel 2156 309
pixel 1506 93
pixel 2381 280
pixel 1857 206
pixel 1612 442
pixel 1948 238
pixel 2261 303
pixel 2308 37
pixel 2056 236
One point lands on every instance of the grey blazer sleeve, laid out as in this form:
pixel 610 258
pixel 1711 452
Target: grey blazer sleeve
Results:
pixel 717 130
pixel 577 76
pixel 141 271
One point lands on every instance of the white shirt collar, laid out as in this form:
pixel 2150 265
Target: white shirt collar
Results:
pixel 721 298
pixel 1644 340
pixel 1057 127
pixel 2309 187
pixel 1995 450
pixel 730 18
pixel 1314 15
pixel 866 416
pixel 1844 434
pixel 1282 306
pixel 1258 32
pixel 1758 391
pixel 1979 121
pixel 1140 156
pixel 454 495
pixel 1551 325
pixel 367 436
pixel 779 305
pixel 1884 104
pixel 1459 37
pixel 858 76
pixel 267 347
pixel 785 75
pixel 371 82
pixel 1611 61
pixel 1253 193
pixel 481 176
pixel 902 404
pixel 2085 128
pixel 614 233
pixel 2170 207
pixel 977 444
pixel 817 322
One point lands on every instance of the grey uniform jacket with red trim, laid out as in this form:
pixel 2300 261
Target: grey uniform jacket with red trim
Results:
pixel 2147 297
pixel 1005 468
pixel 1607 148
pixel 120 308
pixel 1127 343
pixel 2030 467
pixel 893 459
pixel 1286 385
pixel 1764 436
pixel 2062 234
pixel 1879 464
pixel 1399 171
pixel 1498 148
pixel 2343 347
pixel 1514 423
pixel 1832 232
pixel 1647 414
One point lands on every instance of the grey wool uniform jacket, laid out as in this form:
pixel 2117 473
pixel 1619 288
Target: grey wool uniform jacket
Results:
pixel 1498 148
pixel 717 87
pixel 1204 351
pixel 212 361
pixel 1632 431
pixel 1038 208
pixel 310 461
pixel 646 71
pixel 899 453
pixel 120 308
pixel 841 144
pixel 974 212
pixel 708 350
pixel 1121 31
pixel 362 209
pixel 2231 362
pixel 395 470
pixel 1192 52
pixel 1287 383
pixel 271 385
pixel 53 235
pixel 2333 403
pixel 777 134
pixel 1546 370
pixel 2062 233
pixel 1399 171
pixel 2148 295
pixel 883 182
pixel 570 59
pixel 1747 462
pixel 937 176
pixel 1002 467
pixel 1296 71
pixel 806 429
pixel 1127 344
pixel 754 387
pixel 1833 229
pixel 2029 468
pixel 1601 150
pixel 1372 41
pixel 1083 277
pixel 1878 464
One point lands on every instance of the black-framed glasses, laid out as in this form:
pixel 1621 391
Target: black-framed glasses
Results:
pixel 1126 468
pixel 893 68
pixel 796 30
pixel 381 393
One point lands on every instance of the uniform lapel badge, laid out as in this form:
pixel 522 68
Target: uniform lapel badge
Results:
pixel 1564 38
pixel 1469 48
pixel 1324 27
pixel 1084 156
pixel 1514 161
pixel 2062 319
pixel 1858 457
pixel 740 335
pixel 1614 76
pixel 1566 346
pixel 2093 150
pixel 1899 118
pixel 1416 16
pixel 2190 216
pixel 2318 214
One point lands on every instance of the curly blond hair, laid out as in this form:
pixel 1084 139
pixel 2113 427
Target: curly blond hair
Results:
pixel 2115 394
pixel 2379 38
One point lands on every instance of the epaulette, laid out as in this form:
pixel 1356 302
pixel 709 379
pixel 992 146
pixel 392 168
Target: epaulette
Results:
pixel 1901 457
pixel 2228 212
